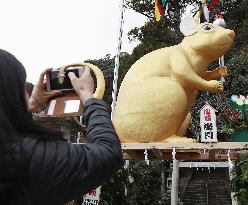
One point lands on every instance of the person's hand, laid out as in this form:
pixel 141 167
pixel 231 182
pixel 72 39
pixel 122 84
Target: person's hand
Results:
pixel 83 86
pixel 40 96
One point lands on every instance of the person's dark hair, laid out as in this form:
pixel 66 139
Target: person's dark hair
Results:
pixel 15 120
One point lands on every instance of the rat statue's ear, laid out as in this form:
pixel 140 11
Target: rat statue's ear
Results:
pixel 188 26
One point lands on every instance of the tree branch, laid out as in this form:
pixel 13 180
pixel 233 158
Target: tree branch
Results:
pixel 128 4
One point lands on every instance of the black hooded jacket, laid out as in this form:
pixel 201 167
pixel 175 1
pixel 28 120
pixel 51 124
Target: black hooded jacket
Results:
pixel 35 171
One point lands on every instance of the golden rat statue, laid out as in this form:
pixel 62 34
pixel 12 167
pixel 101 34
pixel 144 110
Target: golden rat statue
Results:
pixel 158 91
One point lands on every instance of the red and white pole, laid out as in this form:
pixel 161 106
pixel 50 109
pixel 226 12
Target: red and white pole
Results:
pixel 219 21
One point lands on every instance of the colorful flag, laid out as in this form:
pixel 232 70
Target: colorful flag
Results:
pixel 161 9
pixel 157 13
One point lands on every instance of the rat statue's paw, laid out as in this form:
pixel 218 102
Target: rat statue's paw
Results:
pixel 176 139
pixel 222 70
pixel 215 86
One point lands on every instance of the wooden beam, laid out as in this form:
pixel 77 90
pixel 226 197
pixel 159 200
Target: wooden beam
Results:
pixel 133 154
pixel 211 154
pixel 158 153
pixel 184 151
pixel 187 146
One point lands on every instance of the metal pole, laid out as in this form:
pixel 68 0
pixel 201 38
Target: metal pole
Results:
pixel 117 60
pixel 174 183
pixel 221 22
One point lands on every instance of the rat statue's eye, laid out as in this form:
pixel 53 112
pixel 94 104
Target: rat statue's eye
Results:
pixel 208 28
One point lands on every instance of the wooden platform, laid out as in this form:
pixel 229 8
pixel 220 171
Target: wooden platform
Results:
pixel 184 151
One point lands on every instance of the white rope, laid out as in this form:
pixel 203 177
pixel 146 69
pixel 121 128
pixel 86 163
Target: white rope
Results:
pixel 174 153
pixel 230 163
pixel 126 165
pixel 146 157
pixel 117 61
pixel 222 63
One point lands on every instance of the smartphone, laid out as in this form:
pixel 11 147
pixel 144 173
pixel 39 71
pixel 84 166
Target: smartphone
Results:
pixel 53 79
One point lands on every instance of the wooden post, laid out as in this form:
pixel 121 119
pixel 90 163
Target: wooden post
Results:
pixel 174 183
pixel 231 175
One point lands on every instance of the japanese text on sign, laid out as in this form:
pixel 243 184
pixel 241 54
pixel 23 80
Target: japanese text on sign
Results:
pixel 92 198
pixel 90 202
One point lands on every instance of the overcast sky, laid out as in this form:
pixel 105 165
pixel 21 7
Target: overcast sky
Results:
pixel 52 33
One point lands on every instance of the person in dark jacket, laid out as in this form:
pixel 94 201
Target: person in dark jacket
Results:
pixel 37 165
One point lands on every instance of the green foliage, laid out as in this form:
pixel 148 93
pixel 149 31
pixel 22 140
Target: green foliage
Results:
pixel 146 185
pixel 238 71
pixel 156 32
pixel 142 184
pixel 240 181
pixel 113 192
pixel 166 31
pixel 146 7
pixel 139 184
pixel 143 7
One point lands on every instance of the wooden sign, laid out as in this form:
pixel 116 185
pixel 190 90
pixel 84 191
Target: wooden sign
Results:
pixel 208 124
pixel 92 198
